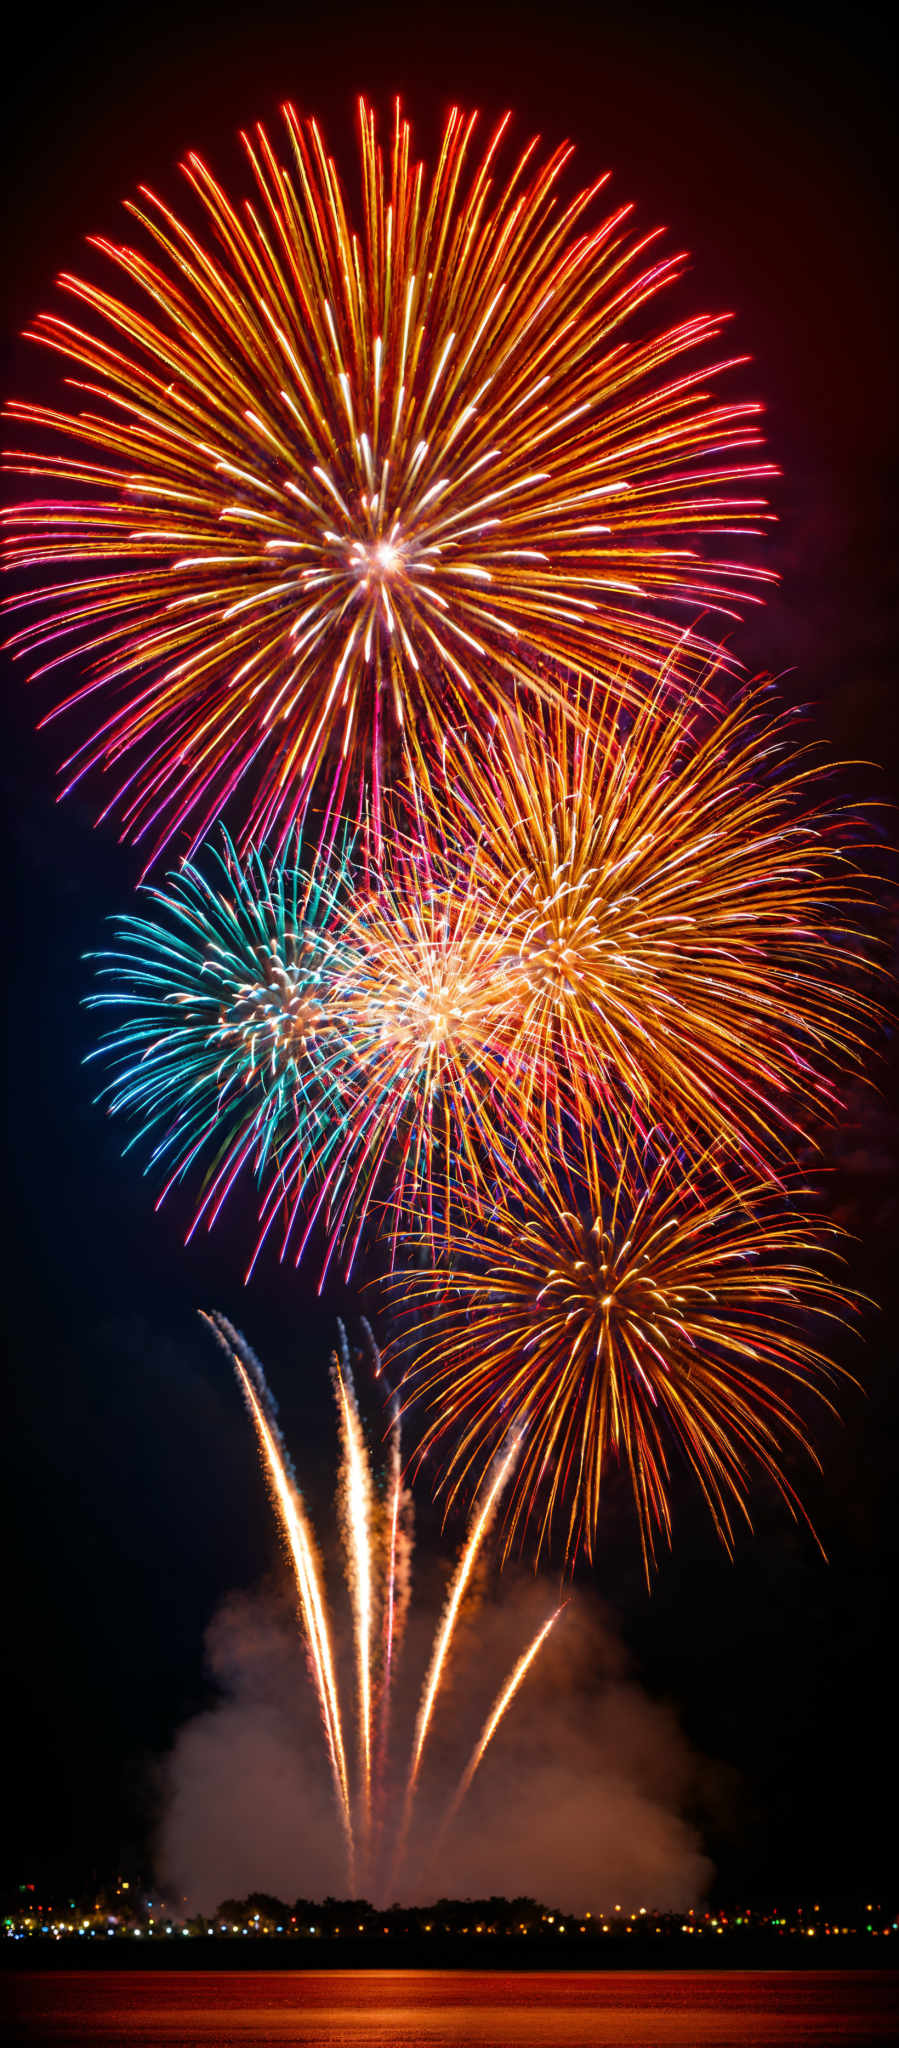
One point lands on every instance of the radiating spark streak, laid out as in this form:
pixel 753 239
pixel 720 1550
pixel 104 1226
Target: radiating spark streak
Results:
pixel 494 1718
pixel 477 1531
pixel 302 1551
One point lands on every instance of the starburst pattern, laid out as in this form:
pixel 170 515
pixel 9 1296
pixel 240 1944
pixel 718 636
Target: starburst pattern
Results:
pixel 323 489
pixel 228 1038
pixel 423 1079
pixel 406 528
pixel 333 1032
pixel 683 910
pixel 642 1316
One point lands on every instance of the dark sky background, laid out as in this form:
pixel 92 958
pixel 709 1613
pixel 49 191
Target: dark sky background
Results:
pixel 760 136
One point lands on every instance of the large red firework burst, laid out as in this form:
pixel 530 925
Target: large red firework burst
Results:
pixel 320 489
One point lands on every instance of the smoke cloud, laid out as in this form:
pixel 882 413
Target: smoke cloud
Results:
pixel 580 1800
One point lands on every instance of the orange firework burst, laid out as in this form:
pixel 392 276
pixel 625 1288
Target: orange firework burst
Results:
pixel 633 1315
pixel 423 1001
pixel 681 914
pixel 324 488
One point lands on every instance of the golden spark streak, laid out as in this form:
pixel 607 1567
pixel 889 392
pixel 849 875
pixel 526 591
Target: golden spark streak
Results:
pixel 302 1551
pixel 444 1635
pixel 378 1554
pixel 496 1714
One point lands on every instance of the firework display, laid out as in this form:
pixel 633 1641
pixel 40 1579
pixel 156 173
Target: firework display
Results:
pixel 426 1054
pixel 648 914
pixel 325 486
pixel 636 1312
pixel 334 1033
pixel 399 533
pixel 228 1039
pixel 378 1570
pixel 680 914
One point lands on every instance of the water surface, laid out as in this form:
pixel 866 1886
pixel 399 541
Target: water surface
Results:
pixel 454 2009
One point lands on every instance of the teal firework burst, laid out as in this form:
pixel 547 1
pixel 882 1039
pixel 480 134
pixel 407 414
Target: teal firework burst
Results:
pixel 336 1033
pixel 228 1048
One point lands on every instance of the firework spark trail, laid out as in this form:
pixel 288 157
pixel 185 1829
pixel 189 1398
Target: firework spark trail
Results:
pixel 362 1541
pixel 500 1705
pixel 302 1551
pixel 356 1504
pixel 478 1529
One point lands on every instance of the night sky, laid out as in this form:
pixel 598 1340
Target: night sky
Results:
pixel 760 136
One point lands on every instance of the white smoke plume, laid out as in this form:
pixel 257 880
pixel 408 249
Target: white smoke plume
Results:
pixel 579 1802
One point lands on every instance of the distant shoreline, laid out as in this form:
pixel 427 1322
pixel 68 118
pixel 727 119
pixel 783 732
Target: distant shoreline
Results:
pixel 486 1953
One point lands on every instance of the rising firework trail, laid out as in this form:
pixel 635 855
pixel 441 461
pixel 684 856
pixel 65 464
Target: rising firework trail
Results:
pixel 402 521
pixel 481 1521
pixel 306 1567
pixel 478 1529
pixel 331 481
pixel 373 1571
pixel 503 1701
